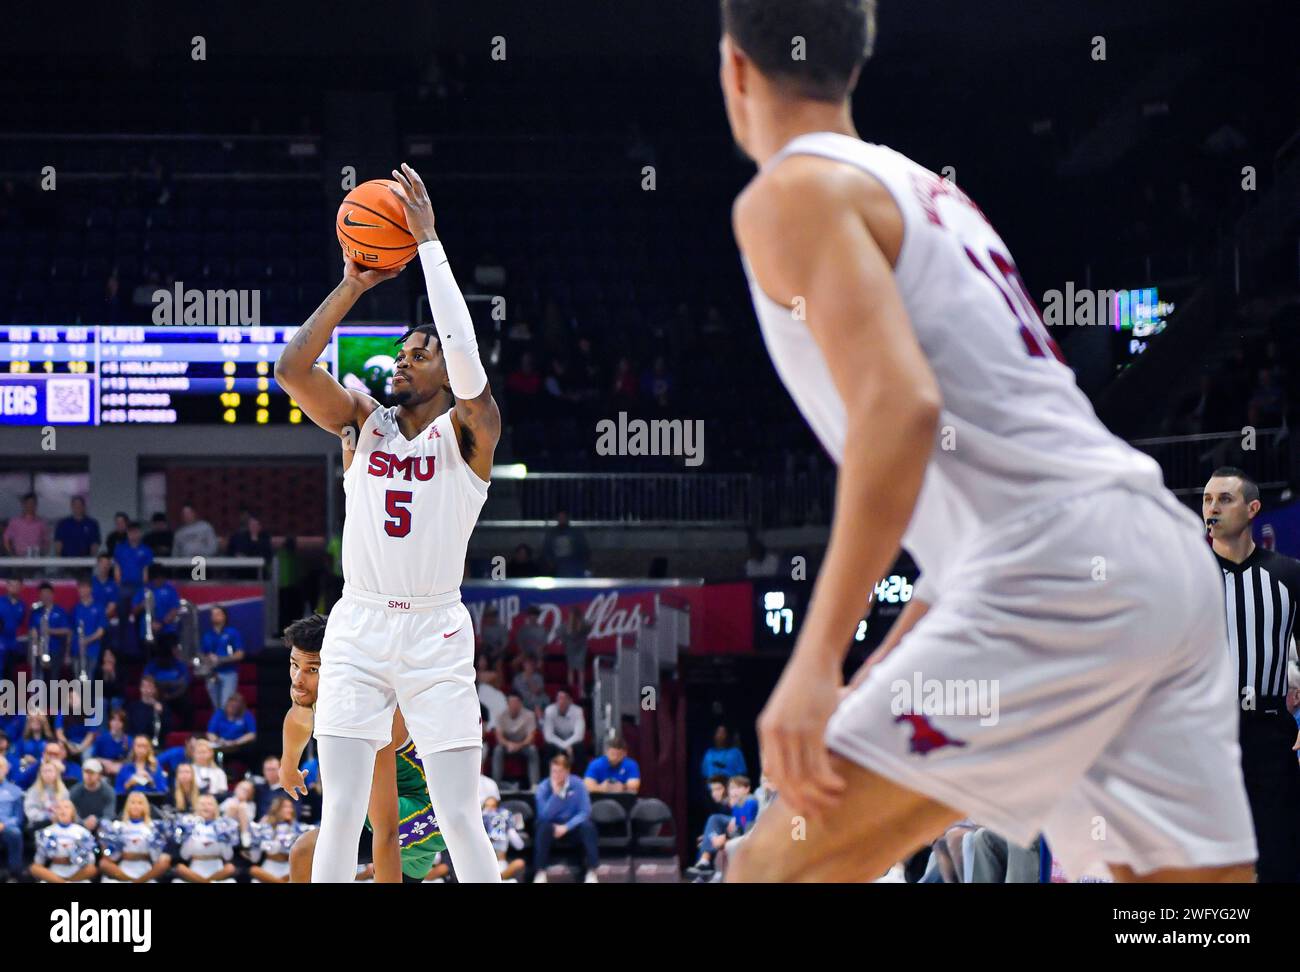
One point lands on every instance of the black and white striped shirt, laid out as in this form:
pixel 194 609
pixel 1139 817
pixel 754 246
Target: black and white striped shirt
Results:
pixel 1262 595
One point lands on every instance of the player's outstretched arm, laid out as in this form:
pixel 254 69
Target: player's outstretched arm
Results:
pixel 803 227
pixel 477 419
pixel 298 723
pixel 326 402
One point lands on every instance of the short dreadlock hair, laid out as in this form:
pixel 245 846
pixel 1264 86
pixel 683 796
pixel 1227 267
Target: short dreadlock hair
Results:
pixel 428 330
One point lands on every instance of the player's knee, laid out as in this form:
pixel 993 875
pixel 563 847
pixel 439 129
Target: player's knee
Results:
pixel 744 866
pixel 461 820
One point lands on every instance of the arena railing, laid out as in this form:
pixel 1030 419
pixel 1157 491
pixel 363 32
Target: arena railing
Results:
pixel 530 500
pixel 1188 460
pixel 184 568
pixel 621 683
pixel 522 499
pixel 242 157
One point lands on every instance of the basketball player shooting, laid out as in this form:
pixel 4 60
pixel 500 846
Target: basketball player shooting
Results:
pixel 1056 567
pixel 415 477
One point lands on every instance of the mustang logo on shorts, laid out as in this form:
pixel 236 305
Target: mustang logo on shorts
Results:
pixel 925 737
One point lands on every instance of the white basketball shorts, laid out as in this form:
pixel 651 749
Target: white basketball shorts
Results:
pixel 1072 679
pixel 415 653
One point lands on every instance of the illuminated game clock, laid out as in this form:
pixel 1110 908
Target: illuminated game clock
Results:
pixel 780 607
pixel 778 615
pixel 894 589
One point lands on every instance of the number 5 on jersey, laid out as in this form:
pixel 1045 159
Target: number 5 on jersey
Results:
pixel 396 506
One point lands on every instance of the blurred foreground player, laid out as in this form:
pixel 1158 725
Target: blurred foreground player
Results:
pixel 1061 581
pixel 416 476
pixel 1261 590
pixel 406 838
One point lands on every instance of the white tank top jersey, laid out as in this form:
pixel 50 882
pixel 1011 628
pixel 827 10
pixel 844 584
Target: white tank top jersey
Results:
pixel 411 506
pixel 1020 432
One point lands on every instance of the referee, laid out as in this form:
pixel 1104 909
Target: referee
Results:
pixel 1262 591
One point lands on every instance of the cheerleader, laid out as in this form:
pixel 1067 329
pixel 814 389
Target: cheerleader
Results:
pixel 207 844
pixel 65 850
pixel 500 825
pixel 132 846
pixel 273 838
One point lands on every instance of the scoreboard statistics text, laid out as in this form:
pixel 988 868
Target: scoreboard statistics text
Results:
pixel 140 374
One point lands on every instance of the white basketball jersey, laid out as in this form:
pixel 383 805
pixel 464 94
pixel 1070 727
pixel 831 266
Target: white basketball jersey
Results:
pixel 1015 430
pixel 411 506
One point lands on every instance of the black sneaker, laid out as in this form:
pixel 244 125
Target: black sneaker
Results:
pixel 700 872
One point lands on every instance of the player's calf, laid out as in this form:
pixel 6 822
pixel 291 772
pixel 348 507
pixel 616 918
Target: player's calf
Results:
pixel 1228 874
pixel 873 825
pixel 300 856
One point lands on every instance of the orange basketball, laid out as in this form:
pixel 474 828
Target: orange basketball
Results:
pixel 371 225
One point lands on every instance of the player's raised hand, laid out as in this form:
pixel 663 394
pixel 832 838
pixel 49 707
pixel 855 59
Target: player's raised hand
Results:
pixel 291 780
pixel 412 194
pixel 367 278
pixel 792 743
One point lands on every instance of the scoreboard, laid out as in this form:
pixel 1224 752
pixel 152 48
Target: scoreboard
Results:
pixel 140 374
pixel 779 606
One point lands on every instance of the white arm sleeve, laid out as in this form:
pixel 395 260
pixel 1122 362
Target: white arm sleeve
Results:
pixel 455 327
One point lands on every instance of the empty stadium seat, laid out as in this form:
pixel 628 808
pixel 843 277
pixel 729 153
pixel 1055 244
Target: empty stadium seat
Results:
pixel 648 820
pixel 613 826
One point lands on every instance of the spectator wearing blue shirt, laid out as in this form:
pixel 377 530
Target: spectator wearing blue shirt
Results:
pixel 11 727
pixel 11 823
pixel 148 715
pixel 111 747
pixel 52 752
pixel 615 772
pixel 118 535
pixel 232 728
pixel 13 612
pixel 57 752
pixel 722 827
pixel 169 673
pixel 5 747
pixel 28 749
pixel 166 608
pixel 131 560
pixel 78 534
pixel 223 650
pixel 107 595
pixel 72 728
pixel 563 817
pixel 142 771
pixel 60 625
pixel 170 759
pixel 114 696
pixel 172 678
pixel 267 786
pixel 724 758
pixel 104 585
pixel 89 624
pixel 310 770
